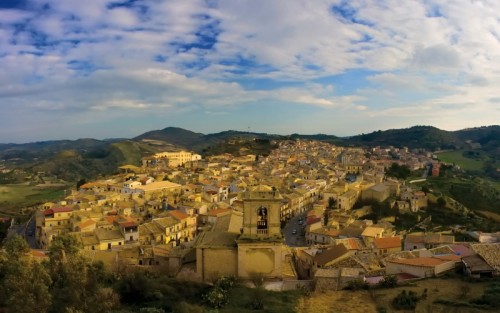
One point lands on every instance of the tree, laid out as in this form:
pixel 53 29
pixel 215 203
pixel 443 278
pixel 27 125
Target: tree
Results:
pixel 27 288
pixel 24 284
pixel 405 300
pixel 389 281
pixel 398 171
pixel 80 183
pixel 331 202
pixel 77 284
pixel 218 296
pixel 441 202
pixel 16 246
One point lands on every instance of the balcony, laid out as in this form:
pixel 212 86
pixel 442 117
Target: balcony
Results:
pixel 261 231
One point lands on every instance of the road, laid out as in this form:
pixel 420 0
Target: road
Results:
pixel 298 239
pixel 25 230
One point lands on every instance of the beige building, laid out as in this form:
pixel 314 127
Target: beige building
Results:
pixel 157 190
pixel 173 158
pixel 52 222
pixel 256 250
pixel 175 228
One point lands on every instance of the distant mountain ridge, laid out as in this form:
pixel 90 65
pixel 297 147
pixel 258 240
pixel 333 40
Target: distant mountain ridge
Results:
pixel 88 158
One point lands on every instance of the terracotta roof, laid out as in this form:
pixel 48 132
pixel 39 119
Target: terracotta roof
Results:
pixel 57 210
pixel 477 264
pixel 111 219
pixel 449 257
pixel 312 219
pixel 86 223
pixel 178 215
pixel 387 242
pixel 217 212
pixel 330 254
pixel 128 224
pixel 426 262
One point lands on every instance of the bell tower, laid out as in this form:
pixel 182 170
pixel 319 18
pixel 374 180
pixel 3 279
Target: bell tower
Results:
pixel 261 212
pixel 260 244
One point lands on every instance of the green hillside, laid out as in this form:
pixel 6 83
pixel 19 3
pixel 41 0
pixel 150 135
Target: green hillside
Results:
pixel 174 135
pixel 426 137
pixel 474 149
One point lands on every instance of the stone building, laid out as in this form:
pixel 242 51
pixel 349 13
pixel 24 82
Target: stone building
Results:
pixel 257 250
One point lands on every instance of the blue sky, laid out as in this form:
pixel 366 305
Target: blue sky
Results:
pixel 75 69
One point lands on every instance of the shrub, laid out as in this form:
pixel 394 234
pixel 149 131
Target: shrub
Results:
pixel 218 296
pixel 389 281
pixel 405 300
pixel 356 284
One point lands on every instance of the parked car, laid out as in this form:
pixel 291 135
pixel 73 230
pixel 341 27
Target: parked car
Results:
pixel 294 232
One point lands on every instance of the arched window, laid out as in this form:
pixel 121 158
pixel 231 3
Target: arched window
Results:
pixel 262 221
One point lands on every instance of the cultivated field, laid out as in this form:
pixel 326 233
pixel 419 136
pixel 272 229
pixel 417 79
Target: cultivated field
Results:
pixel 13 197
pixel 465 163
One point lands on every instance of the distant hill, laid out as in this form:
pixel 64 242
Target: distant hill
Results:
pixel 319 137
pixel 427 137
pixel 201 143
pixel 174 135
pixel 88 158
pixel 487 136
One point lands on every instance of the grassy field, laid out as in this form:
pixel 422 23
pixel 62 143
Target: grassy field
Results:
pixel 13 197
pixel 468 164
pixel 437 288
pixel 16 193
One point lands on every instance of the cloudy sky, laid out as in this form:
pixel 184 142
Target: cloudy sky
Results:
pixel 96 68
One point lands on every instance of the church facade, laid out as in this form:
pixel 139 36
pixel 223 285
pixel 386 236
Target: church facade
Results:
pixel 257 250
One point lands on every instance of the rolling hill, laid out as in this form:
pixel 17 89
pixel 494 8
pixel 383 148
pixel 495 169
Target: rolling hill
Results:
pixel 426 137
pixel 87 158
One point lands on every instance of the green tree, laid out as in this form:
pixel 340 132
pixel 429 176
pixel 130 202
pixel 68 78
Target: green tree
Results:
pixel 398 171
pixel 16 246
pixel 441 202
pixel 24 284
pixel 80 183
pixel 331 202
pixel 405 300
pixel 389 281
pixel 78 284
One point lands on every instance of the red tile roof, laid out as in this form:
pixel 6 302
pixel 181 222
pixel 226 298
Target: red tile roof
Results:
pixel 216 212
pixel 57 210
pixel 128 224
pixel 62 209
pixel 312 219
pixel 387 242
pixel 87 223
pixel 178 215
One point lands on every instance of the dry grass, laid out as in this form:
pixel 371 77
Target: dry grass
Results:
pixel 337 301
pixel 446 289
pixel 492 216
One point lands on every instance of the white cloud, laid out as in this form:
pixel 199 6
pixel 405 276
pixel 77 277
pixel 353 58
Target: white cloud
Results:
pixel 77 57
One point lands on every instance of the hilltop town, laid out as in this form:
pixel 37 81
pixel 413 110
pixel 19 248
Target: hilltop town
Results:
pixel 308 212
